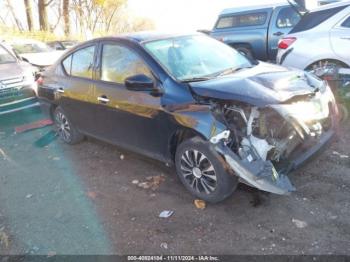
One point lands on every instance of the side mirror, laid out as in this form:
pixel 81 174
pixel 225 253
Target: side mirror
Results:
pixel 142 83
pixel 139 83
pixel 24 59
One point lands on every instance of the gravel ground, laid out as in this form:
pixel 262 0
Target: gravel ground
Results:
pixel 84 199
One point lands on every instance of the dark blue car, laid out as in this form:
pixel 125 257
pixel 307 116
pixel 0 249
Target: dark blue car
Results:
pixel 195 102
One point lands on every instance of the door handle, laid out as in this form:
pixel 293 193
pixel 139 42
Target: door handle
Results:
pixel 60 90
pixel 278 33
pixel 345 38
pixel 103 99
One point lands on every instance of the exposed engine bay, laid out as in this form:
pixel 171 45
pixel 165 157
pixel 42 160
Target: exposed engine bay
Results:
pixel 264 142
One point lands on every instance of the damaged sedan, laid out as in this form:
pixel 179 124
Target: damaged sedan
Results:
pixel 189 100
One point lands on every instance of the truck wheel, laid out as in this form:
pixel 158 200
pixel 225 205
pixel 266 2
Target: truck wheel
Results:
pixel 245 51
pixel 201 170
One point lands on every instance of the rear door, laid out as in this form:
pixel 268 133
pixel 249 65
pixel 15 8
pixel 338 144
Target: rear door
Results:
pixel 340 39
pixel 75 88
pixel 284 18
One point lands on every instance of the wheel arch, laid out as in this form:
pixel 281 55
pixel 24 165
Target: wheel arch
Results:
pixel 242 44
pixel 52 110
pixel 326 59
pixel 180 135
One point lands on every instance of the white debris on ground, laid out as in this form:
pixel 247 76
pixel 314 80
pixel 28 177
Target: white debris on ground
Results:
pixel 166 213
pixel 340 155
pixel 164 245
pixel 299 223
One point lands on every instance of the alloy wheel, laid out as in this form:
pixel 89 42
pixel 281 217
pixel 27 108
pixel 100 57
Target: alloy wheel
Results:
pixel 198 171
pixel 62 126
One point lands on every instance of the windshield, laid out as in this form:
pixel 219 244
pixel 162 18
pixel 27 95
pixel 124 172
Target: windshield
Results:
pixel 68 44
pixel 35 47
pixel 5 56
pixel 198 56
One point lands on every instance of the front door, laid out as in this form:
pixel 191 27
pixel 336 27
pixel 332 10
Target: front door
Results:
pixel 125 117
pixel 340 39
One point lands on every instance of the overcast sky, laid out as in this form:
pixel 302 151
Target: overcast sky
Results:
pixel 188 15
pixel 172 15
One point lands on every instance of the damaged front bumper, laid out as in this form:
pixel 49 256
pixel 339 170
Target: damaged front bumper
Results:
pixel 261 173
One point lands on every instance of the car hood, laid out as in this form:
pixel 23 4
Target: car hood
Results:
pixel 264 84
pixel 10 70
pixel 42 59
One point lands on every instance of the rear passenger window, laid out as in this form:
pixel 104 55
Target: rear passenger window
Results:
pixel 242 20
pixel 81 64
pixel 313 19
pixel 119 62
pixel 287 18
pixel 67 64
pixel 346 23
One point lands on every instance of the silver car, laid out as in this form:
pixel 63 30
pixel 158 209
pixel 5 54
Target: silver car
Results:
pixel 17 85
pixel 320 40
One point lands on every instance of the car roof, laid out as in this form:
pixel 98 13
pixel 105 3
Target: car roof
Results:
pixel 329 6
pixel 146 36
pixel 250 8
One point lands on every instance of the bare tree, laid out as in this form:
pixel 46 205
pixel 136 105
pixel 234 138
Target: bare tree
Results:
pixel 66 18
pixel 42 9
pixel 93 15
pixel 29 14
pixel 12 11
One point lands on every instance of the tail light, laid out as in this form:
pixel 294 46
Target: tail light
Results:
pixel 40 80
pixel 286 42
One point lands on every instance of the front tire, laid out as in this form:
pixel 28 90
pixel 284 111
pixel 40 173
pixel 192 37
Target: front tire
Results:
pixel 65 129
pixel 202 171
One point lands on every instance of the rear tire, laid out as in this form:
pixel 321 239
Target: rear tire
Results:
pixel 202 171
pixel 65 129
pixel 344 113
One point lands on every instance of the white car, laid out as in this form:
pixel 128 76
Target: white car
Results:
pixel 320 40
pixel 35 52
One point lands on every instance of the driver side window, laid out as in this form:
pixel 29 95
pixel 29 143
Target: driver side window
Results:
pixel 118 63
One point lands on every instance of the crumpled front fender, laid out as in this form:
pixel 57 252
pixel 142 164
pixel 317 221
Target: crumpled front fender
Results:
pixel 199 118
pixel 260 174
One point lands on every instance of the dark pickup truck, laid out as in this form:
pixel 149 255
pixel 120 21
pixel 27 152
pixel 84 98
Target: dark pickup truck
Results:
pixel 255 30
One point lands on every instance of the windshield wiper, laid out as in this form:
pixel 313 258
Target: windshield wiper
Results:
pixel 196 79
pixel 227 71
pixel 230 70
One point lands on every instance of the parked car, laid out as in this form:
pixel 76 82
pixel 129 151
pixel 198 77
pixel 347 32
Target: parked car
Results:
pixel 62 45
pixel 35 52
pixel 255 30
pixel 193 101
pixel 17 85
pixel 320 41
